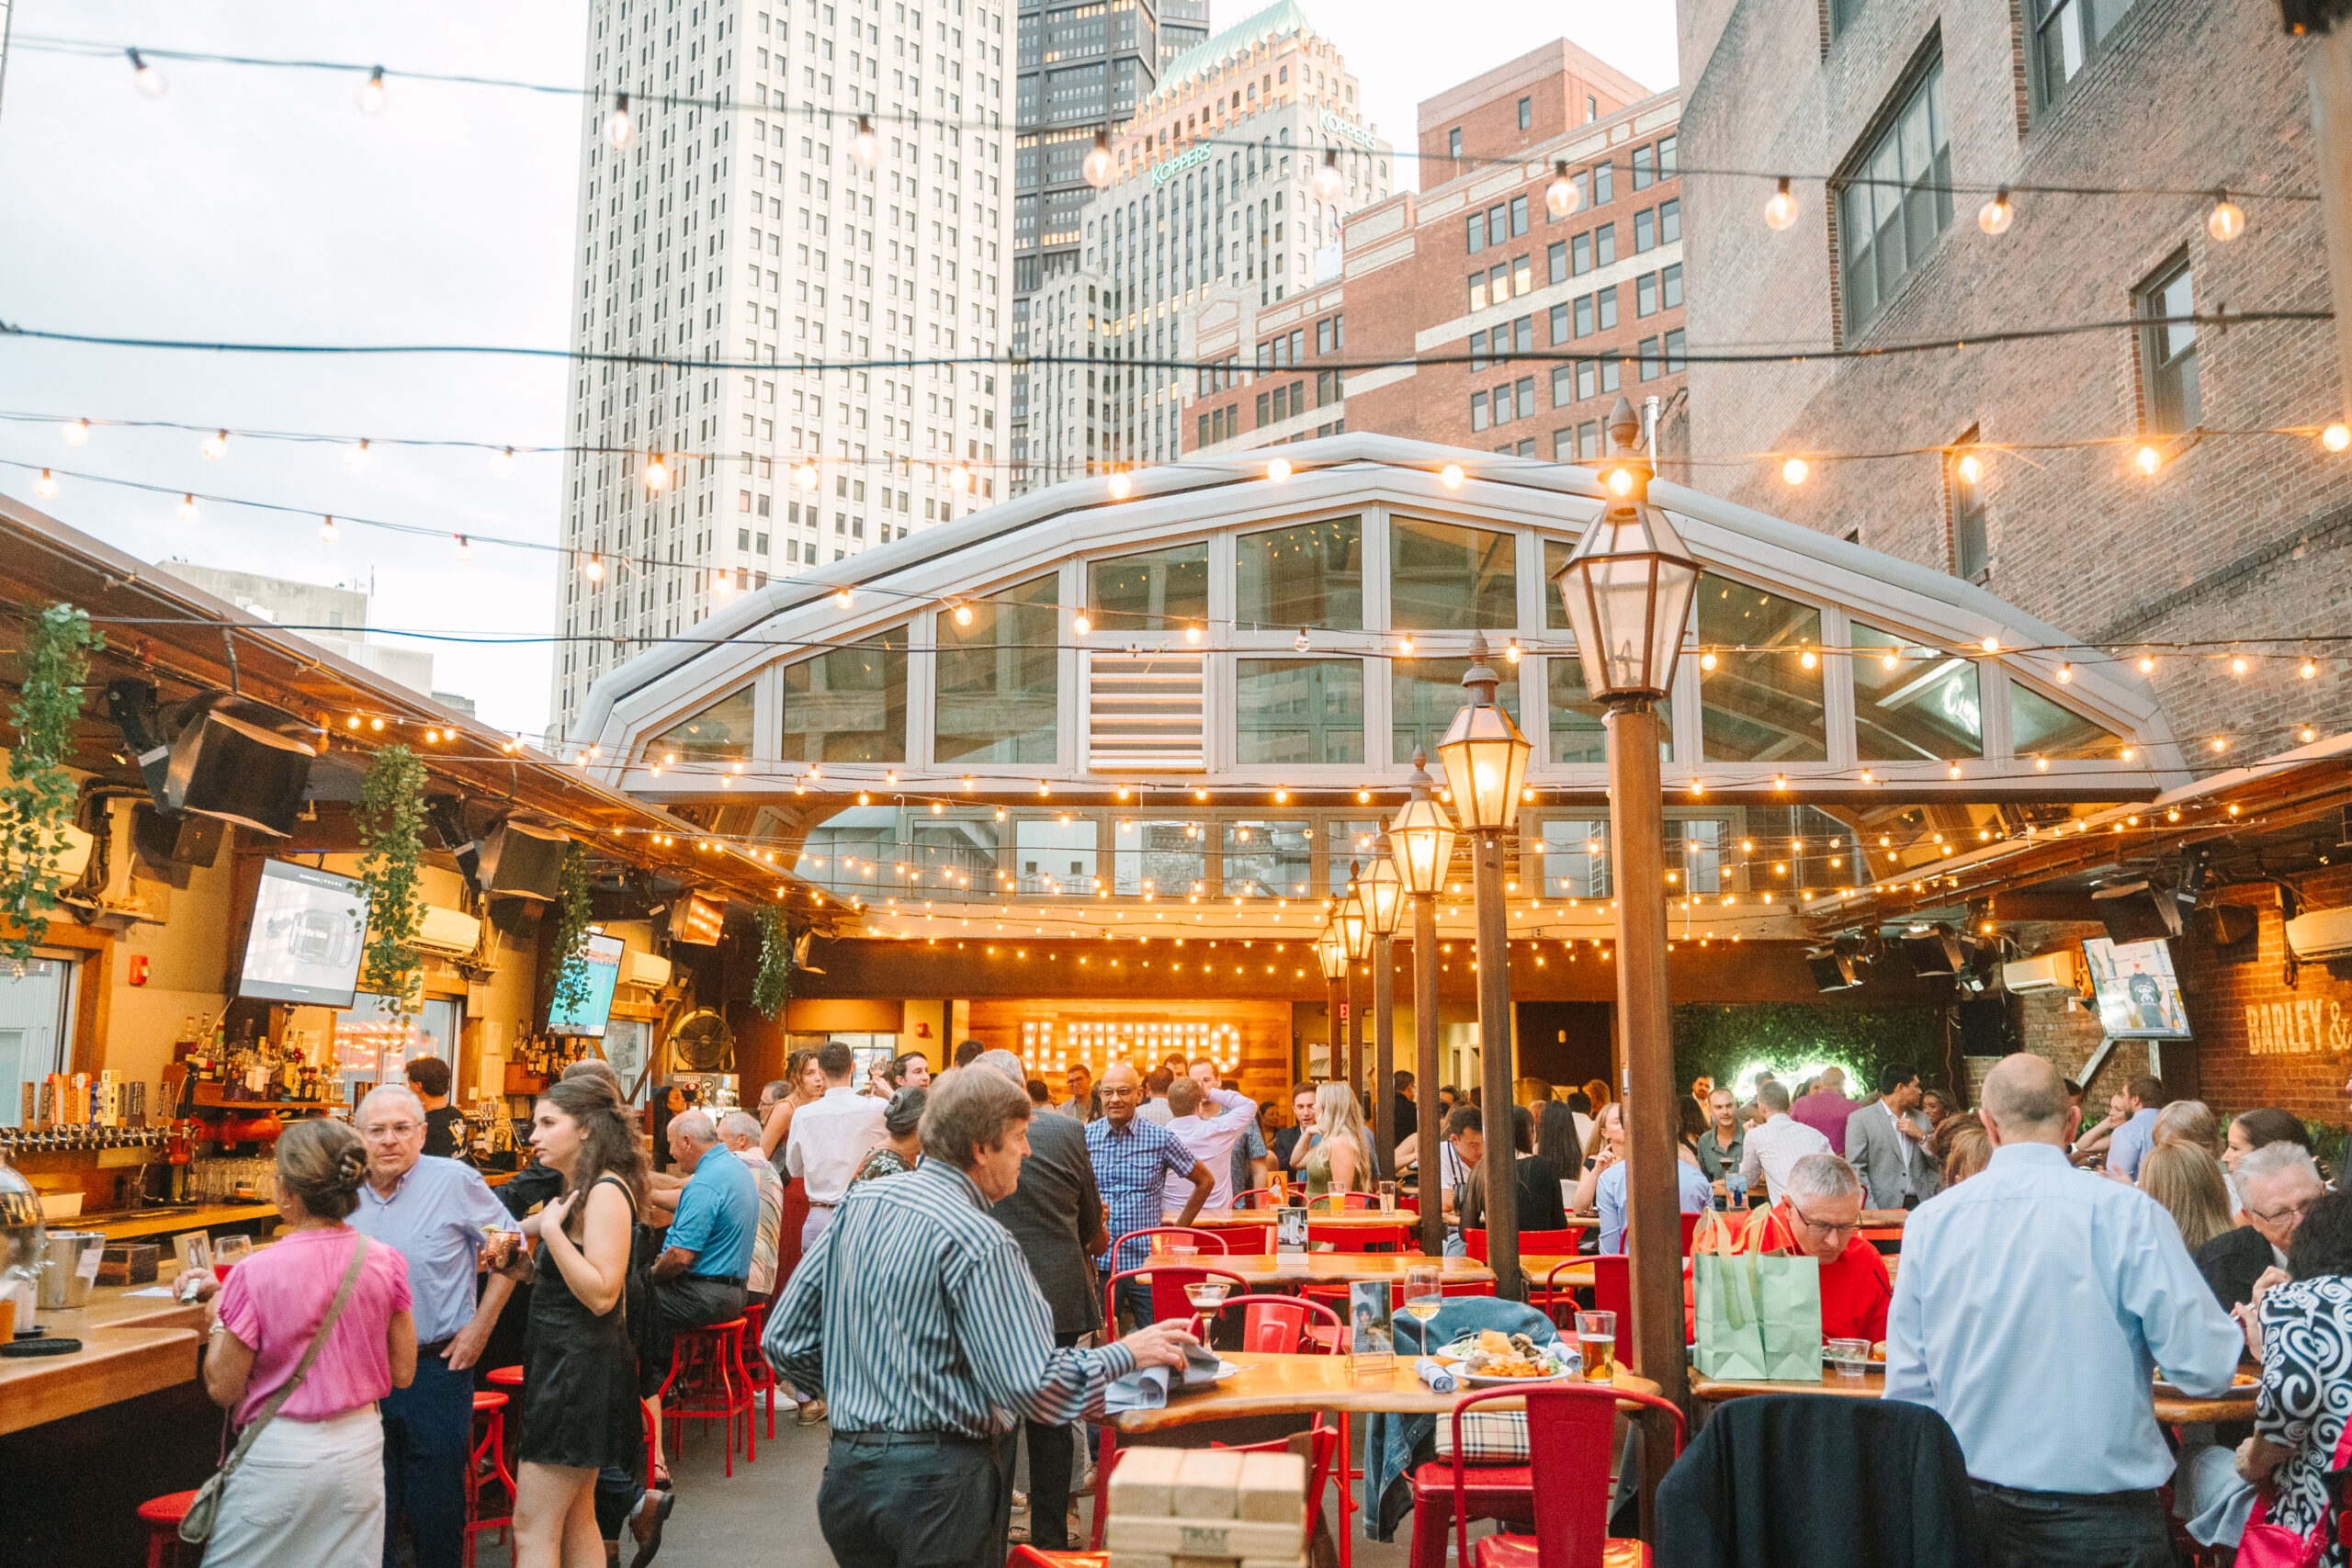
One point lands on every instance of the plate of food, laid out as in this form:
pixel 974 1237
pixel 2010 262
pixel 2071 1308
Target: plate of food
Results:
pixel 1491 1359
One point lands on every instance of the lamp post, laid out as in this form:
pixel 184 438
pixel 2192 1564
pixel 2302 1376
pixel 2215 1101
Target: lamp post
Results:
pixel 1420 843
pixel 1332 954
pixel 1627 587
pixel 1353 923
pixel 1485 763
pixel 1383 907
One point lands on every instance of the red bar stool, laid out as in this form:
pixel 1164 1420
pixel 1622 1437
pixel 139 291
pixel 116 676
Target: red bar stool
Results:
pixel 161 1515
pixel 712 1384
pixel 510 1379
pixel 755 1360
pixel 489 1412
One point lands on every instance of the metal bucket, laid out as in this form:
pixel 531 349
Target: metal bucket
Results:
pixel 69 1268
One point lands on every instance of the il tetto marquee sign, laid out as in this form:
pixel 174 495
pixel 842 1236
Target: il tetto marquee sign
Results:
pixel 1163 172
pixel 1346 129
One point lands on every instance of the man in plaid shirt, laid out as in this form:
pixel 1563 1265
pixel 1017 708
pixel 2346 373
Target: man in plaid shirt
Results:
pixel 1132 1159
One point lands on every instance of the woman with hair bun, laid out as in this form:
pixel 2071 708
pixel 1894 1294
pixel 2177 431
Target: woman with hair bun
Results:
pixel 579 1410
pixel 311 1489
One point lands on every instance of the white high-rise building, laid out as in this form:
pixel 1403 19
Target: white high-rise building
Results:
pixel 1215 187
pixel 739 236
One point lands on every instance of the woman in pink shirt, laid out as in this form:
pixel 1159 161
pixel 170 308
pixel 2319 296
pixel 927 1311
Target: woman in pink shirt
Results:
pixel 310 1490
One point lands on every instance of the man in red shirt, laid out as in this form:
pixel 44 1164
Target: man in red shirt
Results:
pixel 1825 1109
pixel 1818 1217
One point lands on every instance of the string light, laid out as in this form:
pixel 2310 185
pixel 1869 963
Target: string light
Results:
pixel 1193 635
pixel 2307 670
pixel 841 598
pixel 1971 467
pixel 1996 216
pixel 501 463
pixel 2147 665
pixel 1300 642
pixel 1991 645
pixel 465 549
pixel 1081 624
pixel 1794 470
pixel 1620 481
pixel 1781 211
pixel 188 508
pixel 1278 470
pixel 1329 185
pixel 1122 486
pixel 1510 650
pixel 594 568
pixel 2147 459
pixel 355 457
pixel 77 431
pixel 2065 673
pixel 806 476
pixel 1807 658
pixel 370 96
pixel 1405 645
pixel 1097 166
pixel 657 472
pixel 45 485
pixel 150 80
pixel 620 126
pixel 2227 220
pixel 328 532
pixel 1707 661
pixel 864 148
pixel 963 615
pixel 1561 197
pixel 2337 436
pixel 214 444
pixel 1450 475
pixel 959 479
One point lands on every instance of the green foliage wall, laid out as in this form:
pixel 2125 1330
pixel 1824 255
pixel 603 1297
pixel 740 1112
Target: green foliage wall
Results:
pixel 1718 1041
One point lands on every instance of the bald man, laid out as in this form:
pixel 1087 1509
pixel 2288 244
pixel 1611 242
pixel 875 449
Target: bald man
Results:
pixel 2034 1276
pixel 1133 1159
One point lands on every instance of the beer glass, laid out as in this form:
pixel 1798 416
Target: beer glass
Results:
pixel 1597 1338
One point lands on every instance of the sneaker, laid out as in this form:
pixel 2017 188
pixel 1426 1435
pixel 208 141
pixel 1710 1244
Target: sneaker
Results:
pixel 813 1413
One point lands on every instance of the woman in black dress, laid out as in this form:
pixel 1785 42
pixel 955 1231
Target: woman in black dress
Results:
pixel 580 1405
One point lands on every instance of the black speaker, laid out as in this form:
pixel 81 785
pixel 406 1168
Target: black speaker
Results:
pixel 1831 971
pixel 1985 1027
pixel 240 761
pixel 178 838
pixel 2225 925
pixel 518 861
pixel 1936 951
pixel 2140 912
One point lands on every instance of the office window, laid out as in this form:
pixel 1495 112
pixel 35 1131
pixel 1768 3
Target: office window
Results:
pixel 1587 445
pixel 1563 385
pixel 996 699
pixel 1971 551
pixel 1563 442
pixel 1557 261
pixel 1605 303
pixel 2067 34
pixel 1477 232
pixel 1591 109
pixel 1303 574
pixel 1886 225
pixel 1587 381
pixel 1642 168
pixel 2167 350
pixel 1560 322
pixel 1524 332
pixel 1609 374
pixel 1454 142
pixel 1518 216
pixel 1498 283
pixel 1522 274
pixel 1497 223
pixel 1582 308
pixel 1604 180
pixel 1669 221
pixel 1446 578
pixel 1668 164
pixel 1477 351
pixel 1526 113
pixel 1670 288
pixel 1527 397
pixel 1503 414
pixel 1604 245
pixel 1581 251
pixel 1842 14
pixel 1477 291
pixel 1647 349
pixel 1478 410
pixel 1674 351
pixel 1323 335
pixel 1645 231
pixel 1646 295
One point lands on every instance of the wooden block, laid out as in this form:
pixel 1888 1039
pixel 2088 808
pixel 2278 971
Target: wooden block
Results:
pixel 1201 1562
pixel 1141 1481
pixel 1141 1559
pixel 1205 1538
pixel 1271 1488
pixel 1270 1562
pixel 129 1263
pixel 1205 1481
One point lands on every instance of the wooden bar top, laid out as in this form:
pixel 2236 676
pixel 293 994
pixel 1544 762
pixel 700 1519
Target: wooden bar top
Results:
pixel 131 1345
pixel 1301 1385
pixel 172 1222
pixel 2172 1407
pixel 1342 1267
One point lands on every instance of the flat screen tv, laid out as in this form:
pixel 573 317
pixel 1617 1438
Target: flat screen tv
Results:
pixel 601 960
pixel 2138 996
pixel 309 933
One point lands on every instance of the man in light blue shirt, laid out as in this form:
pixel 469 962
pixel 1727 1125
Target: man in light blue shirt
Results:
pixel 2034 1277
pixel 1609 1198
pixel 432 1212
pixel 2146 1096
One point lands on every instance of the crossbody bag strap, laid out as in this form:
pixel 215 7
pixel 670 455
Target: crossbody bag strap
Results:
pixel 318 1342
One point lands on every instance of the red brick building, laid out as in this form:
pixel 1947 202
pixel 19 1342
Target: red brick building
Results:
pixel 1492 323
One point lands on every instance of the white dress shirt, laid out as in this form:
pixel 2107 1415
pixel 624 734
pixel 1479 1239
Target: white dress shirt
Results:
pixel 2034 1304
pixel 1778 1144
pixel 830 1138
pixel 1210 1139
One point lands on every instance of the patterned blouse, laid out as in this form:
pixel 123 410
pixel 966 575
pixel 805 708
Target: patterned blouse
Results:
pixel 883 1161
pixel 2305 1395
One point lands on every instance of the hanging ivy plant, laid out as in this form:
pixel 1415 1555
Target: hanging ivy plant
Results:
pixel 772 986
pixel 37 800
pixel 570 933
pixel 392 829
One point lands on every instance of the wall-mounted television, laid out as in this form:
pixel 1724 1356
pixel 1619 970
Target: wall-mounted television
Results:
pixel 310 933
pixel 2139 998
pixel 602 961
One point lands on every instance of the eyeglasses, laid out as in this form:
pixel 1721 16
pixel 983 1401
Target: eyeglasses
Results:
pixel 388 1130
pixel 2291 1214
pixel 1818 1227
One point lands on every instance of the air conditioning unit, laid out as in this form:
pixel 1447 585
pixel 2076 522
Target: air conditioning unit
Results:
pixel 2051 972
pixel 649 970
pixel 2322 935
pixel 449 932
pixel 73 859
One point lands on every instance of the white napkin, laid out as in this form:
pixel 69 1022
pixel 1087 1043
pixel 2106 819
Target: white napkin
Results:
pixel 1147 1387
pixel 1437 1377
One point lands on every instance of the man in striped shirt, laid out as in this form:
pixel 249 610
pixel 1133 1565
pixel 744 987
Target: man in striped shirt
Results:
pixel 1134 1157
pixel 915 1313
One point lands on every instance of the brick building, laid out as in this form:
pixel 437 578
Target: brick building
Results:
pixel 1454 292
pixel 2232 535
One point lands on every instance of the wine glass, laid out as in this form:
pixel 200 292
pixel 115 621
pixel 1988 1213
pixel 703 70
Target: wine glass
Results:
pixel 1207 1295
pixel 1424 1290
pixel 228 1251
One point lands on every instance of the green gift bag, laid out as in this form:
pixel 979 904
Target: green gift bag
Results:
pixel 1759 1316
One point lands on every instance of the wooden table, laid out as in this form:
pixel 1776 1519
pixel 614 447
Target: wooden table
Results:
pixel 172 1222
pixel 1302 1385
pixel 131 1346
pixel 1263 1219
pixel 1536 1267
pixel 2172 1407
pixel 1342 1267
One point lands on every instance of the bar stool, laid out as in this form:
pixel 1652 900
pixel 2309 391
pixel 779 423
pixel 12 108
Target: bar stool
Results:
pixel 510 1379
pixel 161 1515
pixel 489 1409
pixel 755 1360
pixel 716 1386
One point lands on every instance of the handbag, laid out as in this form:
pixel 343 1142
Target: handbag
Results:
pixel 196 1526
pixel 2265 1545
pixel 1759 1314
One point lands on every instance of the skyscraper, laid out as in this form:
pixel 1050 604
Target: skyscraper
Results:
pixel 768 186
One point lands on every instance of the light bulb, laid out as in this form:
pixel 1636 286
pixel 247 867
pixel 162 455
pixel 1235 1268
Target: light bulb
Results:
pixel 1971 467
pixel 959 479
pixel 2147 459
pixel 1620 481
pixel 1560 197
pixel 2065 673
pixel 864 148
pixel 1081 624
pixel 1707 661
pixel 2147 665
pixel 77 431
pixel 963 615
pixel 1450 475
pixel 501 463
pixel 45 485
pixel 2337 436
pixel 657 473
pixel 2227 220
pixel 1794 470
pixel 1097 168
pixel 188 508
pixel 214 444
pixel 370 96
pixel 1890 660
pixel 1510 650
pixel 2307 670
pixel 328 532
pixel 150 81
pixel 841 598
pixel 1405 645
pixel 721 583
pixel 1279 469
pixel 1300 642
pixel 2238 666
pixel 465 549
pixel 1808 658
pixel 620 126
pixel 1996 216
pixel 1781 211
pixel 1329 185
pixel 1991 645
pixel 1121 487
pixel 355 457
pixel 805 476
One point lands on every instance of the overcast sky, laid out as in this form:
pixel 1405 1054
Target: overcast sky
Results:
pixel 262 205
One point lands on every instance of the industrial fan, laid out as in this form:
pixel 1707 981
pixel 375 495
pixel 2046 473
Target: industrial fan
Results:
pixel 702 1044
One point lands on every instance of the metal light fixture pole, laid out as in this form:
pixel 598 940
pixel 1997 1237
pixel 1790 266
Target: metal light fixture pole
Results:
pixel 1486 765
pixel 1627 587
pixel 1332 954
pixel 1353 920
pixel 1420 841
pixel 1384 905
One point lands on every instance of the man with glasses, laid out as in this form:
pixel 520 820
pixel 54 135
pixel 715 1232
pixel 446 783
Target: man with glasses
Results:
pixel 2276 1183
pixel 432 1212
pixel 1818 1214
pixel 1132 1159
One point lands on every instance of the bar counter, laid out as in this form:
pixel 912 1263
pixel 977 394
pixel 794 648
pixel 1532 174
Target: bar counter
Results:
pixel 131 1345
pixel 137 1225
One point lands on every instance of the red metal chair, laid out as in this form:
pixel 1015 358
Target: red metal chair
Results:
pixel 1207 1241
pixel 1613 1291
pixel 707 1369
pixel 1531 1243
pixel 161 1515
pixel 1168 1284
pixel 1032 1557
pixel 1570 1433
pixel 1279 1326
pixel 755 1360
pixel 490 1407
pixel 1551 1295
pixel 1264 1193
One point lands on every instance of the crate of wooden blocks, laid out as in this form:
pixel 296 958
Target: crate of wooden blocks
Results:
pixel 1207 1508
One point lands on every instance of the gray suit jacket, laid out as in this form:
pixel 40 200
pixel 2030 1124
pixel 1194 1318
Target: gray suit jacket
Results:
pixel 1877 1152
pixel 1052 1213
